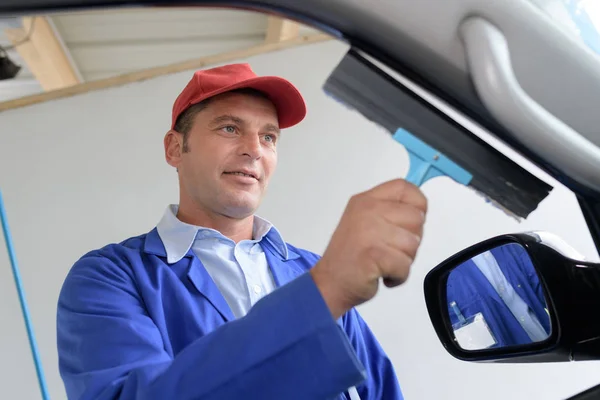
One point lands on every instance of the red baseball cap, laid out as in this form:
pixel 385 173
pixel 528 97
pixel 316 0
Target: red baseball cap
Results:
pixel 288 101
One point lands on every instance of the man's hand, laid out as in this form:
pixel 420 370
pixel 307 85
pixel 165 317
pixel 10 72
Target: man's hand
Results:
pixel 377 237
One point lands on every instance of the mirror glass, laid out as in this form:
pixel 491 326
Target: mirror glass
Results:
pixel 495 299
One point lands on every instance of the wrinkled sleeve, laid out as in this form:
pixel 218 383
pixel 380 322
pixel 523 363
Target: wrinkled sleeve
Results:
pixel 287 347
pixel 382 382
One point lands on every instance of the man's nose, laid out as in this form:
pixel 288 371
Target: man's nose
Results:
pixel 251 146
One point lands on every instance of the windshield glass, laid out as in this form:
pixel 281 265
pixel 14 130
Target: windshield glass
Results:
pixel 580 17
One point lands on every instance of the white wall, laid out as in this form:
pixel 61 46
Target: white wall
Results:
pixel 81 172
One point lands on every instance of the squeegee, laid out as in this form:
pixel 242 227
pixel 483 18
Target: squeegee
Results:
pixel 437 145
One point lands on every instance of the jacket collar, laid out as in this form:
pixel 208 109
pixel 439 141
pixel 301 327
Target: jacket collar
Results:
pixel 173 238
pixel 162 241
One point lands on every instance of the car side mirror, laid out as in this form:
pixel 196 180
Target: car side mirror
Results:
pixel 525 297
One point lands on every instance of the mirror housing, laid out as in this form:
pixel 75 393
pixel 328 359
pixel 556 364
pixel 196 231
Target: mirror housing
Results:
pixel 567 286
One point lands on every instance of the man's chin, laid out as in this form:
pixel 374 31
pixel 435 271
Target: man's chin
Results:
pixel 239 212
pixel 240 207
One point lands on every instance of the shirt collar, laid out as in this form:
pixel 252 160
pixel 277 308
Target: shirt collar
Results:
pixel 178 236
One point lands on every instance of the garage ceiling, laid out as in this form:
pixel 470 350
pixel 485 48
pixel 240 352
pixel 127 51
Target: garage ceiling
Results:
pixel 66 49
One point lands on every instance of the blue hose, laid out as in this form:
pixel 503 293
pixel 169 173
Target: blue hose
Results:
pixel 28 325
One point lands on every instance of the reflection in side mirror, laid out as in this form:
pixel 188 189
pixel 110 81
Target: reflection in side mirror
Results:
pixel 522 297
pixel 495 299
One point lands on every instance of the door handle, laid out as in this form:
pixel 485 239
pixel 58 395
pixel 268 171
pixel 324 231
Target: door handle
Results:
pixel 490 66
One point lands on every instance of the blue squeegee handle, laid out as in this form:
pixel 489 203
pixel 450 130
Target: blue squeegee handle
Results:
pixel 25 311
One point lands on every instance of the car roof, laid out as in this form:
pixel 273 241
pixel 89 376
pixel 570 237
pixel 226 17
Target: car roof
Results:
pixel 556 72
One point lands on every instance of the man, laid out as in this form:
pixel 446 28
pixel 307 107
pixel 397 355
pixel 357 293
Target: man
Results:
pixel 212 303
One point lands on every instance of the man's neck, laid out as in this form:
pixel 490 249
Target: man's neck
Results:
pixel 235 229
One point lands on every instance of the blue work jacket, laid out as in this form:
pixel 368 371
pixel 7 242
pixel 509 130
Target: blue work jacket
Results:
pixel 131 326
pixel 473 294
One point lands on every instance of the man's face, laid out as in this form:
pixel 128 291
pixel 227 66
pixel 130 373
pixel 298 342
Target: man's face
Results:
pixel 231 154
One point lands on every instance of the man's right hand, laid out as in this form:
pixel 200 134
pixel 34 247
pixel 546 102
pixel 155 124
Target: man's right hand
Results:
pixel 377 237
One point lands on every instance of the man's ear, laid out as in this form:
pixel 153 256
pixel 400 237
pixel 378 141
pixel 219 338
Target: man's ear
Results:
pixel 173 143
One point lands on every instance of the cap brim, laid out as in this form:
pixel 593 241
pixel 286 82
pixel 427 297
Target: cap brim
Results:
pixel 288 101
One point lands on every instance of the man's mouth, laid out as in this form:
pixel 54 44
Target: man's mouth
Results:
pixel 239 173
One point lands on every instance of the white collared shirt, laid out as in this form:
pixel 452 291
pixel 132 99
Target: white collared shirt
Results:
pixel 240 271
pixel 488 265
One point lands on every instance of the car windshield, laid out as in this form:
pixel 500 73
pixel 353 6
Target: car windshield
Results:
pixel 580 17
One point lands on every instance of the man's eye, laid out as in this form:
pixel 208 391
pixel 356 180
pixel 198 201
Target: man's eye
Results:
pixel 270 138
pixel 229 129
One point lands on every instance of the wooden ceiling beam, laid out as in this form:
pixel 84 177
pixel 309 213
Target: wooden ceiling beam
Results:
pixel 42 50
pixel 154 72
pixel 279 29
